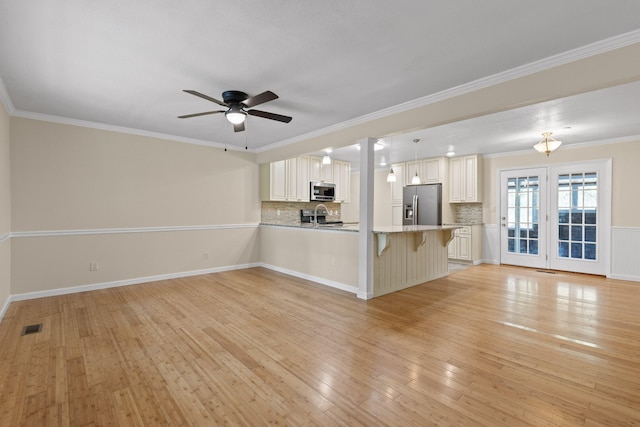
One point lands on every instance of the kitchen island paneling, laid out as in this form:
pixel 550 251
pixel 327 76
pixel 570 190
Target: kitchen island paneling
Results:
pixel 406 256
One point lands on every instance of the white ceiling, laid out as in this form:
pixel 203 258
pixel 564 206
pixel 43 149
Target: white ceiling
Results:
pixel 125 64
pixel 606 114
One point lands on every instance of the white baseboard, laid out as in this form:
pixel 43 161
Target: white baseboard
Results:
pixel 125 282
pixel 624 277
pixel 139 280
pixel 5 307
pixel 331 283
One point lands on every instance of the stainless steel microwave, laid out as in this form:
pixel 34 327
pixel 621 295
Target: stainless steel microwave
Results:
pixel 322 192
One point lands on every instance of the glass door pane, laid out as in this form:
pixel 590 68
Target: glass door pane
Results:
pixel 580 216
pixel 577 216
pixel 523 218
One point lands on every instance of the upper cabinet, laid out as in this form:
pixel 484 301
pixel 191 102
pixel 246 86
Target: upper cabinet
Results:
pixel 430 171
pixel 465 179
pixel 315 169
pixel 342 180
pixel 398 184
pixel 319 172
pixel 286 180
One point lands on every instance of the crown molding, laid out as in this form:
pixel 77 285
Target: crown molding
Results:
pixel 121 129
pixel 573 55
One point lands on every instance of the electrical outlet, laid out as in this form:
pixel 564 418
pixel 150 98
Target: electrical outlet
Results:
pixel 277 212
pixel 333 261
pixel 93 266
pixel 205 255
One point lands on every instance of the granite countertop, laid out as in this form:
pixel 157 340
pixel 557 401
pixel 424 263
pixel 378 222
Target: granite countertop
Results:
pixel 413 228
pixel 328 227
pixel 464 223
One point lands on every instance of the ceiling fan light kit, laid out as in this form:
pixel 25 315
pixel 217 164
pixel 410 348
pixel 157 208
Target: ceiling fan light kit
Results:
pixel 239 105
pixel 547 144
pixel 235 115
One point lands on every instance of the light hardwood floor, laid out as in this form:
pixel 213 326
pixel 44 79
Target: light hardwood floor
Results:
pixel 489 345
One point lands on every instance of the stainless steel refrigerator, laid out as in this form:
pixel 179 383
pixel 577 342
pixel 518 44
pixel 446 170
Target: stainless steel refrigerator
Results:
pixel 422 204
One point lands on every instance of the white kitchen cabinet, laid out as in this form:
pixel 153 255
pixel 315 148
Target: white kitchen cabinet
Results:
pixel 298 179
pixel 278 180
pixel 286 180
pixel 342 180
pixel 466 244
pixel 465 179
pixel 319 172
pixel 315 169
pixel 430 171
pixel 396 215
pixel 433 170
pixel 326 172
pixel 398 185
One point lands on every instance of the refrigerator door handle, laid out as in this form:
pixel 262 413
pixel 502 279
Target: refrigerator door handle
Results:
pixel 415 209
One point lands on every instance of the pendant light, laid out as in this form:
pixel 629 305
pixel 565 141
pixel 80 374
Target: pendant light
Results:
pixel 391 176
pixel 416 179
pixel 326 160
pixel 547 144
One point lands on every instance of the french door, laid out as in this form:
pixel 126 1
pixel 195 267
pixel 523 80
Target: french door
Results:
pixel 580 217
pixel 561 226
pixel 523 220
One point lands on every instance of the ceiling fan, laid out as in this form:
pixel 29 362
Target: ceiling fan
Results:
pixel 238 104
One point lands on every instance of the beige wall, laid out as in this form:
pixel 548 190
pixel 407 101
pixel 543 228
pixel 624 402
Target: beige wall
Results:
pixel 70 177
pixel 330 257
pixel 55 262
pixel 5 209
pixel 625 176
pixel 74 178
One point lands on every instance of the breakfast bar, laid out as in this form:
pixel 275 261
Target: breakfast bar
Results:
pixel 406 256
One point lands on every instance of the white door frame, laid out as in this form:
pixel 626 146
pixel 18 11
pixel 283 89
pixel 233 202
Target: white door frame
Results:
pixel 604 194
pixel 535 260
pixel 601 265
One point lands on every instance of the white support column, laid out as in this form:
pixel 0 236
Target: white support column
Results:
pixel 365 244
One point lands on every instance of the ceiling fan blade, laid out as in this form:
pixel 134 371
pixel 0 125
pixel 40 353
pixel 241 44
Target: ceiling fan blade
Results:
pixel 200 114
pixel 202 95
pixel 238 127
pixel 272 116
pixel 260 99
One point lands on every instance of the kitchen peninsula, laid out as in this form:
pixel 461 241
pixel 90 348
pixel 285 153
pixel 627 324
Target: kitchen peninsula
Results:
pixel 408 255
pixel 404 256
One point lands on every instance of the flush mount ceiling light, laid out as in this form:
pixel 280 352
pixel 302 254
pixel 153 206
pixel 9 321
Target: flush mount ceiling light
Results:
pixel 547 144
pixel 416 179
pixel 450 151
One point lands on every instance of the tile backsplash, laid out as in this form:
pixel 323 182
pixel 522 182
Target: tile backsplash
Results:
pixel 467 213
pixel 289 212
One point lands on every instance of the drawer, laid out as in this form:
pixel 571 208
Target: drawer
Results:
pixel 464 230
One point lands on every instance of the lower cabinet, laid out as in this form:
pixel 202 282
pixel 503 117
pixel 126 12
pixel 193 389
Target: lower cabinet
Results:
pixel 466 244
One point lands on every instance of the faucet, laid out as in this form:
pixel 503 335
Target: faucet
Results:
pixel 315 214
